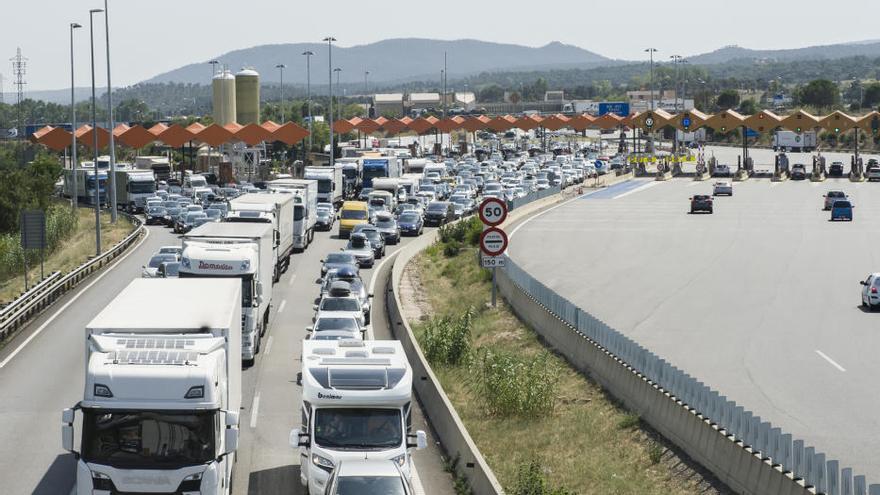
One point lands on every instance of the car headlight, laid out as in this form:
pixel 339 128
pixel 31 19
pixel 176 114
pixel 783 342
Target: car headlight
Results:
pixel 322 462
pixel 399 460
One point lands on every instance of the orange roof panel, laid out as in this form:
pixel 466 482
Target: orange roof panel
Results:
pixel 837 120
pixel 214 135
pixel 290 133
pixel 726 120
pixel 367 126
pixel 158 129
pixel 55 138
pixel 136 137
pixel 800 120
pixel 253 134
pixel 582 122
pixel 474 124
pixel 343 126
pixel 176 136
pixel 86 136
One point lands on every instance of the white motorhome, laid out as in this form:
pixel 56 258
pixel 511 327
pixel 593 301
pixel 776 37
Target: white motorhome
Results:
pixel 133 187
pixel 356 404
pixel 393 186
pixel 159 165
pixel 410 184
pixel 305 208
pixel 415 165
pixel 331 186
pixel 276 209
pixel 160 410
pixel 236 250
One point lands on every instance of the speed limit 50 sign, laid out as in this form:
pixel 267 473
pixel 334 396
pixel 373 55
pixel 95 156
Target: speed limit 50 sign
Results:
pixel 493 211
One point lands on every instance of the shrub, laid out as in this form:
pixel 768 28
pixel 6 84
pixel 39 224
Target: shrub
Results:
pixel 530 480
pixel 629 421
pixel 451 249
pixel 61 223
pixel 446 340
pixel 655 453
pixel 512 385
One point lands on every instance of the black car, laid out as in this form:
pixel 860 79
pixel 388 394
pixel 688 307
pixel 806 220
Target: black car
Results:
pixel 374 236
pixel 439 213
pixel 410 223
pixel 799 172
pixel 155 215
pixel 334 261
pixel 835 170
pixel 701 202
pixel 387 226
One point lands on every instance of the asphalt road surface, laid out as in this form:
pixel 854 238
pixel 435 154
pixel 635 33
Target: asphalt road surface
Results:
pixel 759 300
pixel 42 372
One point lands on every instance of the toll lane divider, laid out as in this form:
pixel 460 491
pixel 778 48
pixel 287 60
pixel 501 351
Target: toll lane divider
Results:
pixel 748 454
pixel 22 310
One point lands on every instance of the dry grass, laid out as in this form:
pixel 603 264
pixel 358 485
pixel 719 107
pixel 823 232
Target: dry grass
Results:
pixel 76 250
pixel 587 444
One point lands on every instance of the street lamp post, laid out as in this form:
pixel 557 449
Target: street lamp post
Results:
pixel 676 60
pixel 308 54
pixel 74 195
pixel 281 68
pixel 330 40
pixel 651 52
pixel 338 71
pixel 111 124
pixel 95 135
pixel 214 67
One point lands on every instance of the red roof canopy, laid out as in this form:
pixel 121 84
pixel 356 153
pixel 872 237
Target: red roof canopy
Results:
pixel 176 136
pixel 137 137
pixel 290 133
pixel 253 134
pixel 214 135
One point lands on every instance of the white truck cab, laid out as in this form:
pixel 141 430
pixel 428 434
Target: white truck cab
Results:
pixel 356 404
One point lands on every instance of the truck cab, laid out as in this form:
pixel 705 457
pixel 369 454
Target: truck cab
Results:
pixel 356 404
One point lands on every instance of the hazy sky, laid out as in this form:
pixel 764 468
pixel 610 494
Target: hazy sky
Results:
pixel 152 36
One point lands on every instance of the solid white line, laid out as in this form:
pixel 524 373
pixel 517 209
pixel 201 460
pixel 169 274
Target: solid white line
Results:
pixel 268 346
pixel 377 270
pixel 416 480
pixel 292 278
pixel 72 300
pixel 826 358
pixel 281 306
pixel 255 409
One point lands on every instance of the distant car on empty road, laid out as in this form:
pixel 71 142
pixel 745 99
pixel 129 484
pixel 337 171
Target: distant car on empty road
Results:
pixel 836 169
pixel 871 291
pixel 799 171
pixel 831 197
pixel 842 210
pixel 722 188
pixel 701 202
pixel 721 170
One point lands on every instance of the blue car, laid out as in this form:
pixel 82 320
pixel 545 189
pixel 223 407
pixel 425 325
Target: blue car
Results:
pixel 410 223
pixel 841 210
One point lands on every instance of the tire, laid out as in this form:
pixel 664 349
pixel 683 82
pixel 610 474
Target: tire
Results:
pixel 710 211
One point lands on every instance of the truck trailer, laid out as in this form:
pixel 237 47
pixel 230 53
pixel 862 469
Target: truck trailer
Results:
pixel 160 409
pixel 331 184
pixel 133 187
pixel 276 209
pixel 794 142
pixel 85 184
pixel 242 251
pixel 386 166
pixel 305 208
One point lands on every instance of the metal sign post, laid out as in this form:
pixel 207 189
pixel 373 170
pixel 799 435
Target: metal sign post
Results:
pixel 33 236
pixel 493 243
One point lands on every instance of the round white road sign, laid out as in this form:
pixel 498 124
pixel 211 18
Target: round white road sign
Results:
pixel 493 241
pixel 493 211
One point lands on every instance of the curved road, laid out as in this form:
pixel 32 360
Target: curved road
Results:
pixel 760 300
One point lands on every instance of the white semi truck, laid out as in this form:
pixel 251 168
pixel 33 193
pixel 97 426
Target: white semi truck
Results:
pixel 794 142
pixel 133 187
pixel 276 209
pixel 305 208
pixel 160 411
pixel 85 184
pixel 241 251
pixel 356 404
pixel 331 183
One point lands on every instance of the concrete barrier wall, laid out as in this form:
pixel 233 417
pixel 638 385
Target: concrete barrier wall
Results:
pixel 734 464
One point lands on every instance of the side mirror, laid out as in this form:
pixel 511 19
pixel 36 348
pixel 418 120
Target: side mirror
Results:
pixel 298 438
pixel 315 307
pixel 231 438
pixel 862 282
pixel 421 440
pixel 322 260
pixel 370 294
pixel 232 418
pixel 310 329
pixel 67 417
pixel 259 288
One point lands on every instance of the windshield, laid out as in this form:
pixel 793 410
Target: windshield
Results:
pixel 298 213
pixel 354 215
pixel 349 324
pixel 172 269
pixel 142 187
pixel 156 210
pixel 358 242
pixel 155 261
pixel 340 258
pixel 358 428
pixel 437 207
pixel 340 304
pixel 385 224
pixel 148 439
pixel 409 217
pixel 325 186
pixel 356 485
pixel 842 204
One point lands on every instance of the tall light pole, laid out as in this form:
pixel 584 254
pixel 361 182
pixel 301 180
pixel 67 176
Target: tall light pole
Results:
pixel 75 195
pixel 651 52
pixel 308 54
pixel 676 59
pixel 366 74
pixel 213 67
pixel 95 135
pixel 281 68
pixel 111 124
pixel 330 40
pixel 338 71
pixel 445 75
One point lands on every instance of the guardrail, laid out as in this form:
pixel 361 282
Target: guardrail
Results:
pixel 748 454
pixel 18 313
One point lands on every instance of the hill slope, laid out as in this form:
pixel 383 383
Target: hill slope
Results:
pixel 729 54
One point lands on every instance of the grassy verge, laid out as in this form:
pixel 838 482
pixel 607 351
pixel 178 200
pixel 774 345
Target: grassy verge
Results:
pixel 73 251
pixel 542 426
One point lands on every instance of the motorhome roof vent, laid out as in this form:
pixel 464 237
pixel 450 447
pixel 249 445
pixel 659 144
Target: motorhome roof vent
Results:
pixel 356 354
pixel 324 351
pixel 383 350
pixel 154 357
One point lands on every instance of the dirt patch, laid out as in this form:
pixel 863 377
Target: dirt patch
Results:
pixel 416 306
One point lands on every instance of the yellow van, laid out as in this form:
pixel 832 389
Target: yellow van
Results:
pixel 352 213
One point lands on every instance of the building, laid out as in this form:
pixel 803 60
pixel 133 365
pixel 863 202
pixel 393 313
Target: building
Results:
pixel 637 96
pixel 555 96
pixel 464 100
pixel 388 105
pixel 420 101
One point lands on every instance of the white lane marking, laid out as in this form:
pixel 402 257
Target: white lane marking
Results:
pixel 292 278
pixel 268 346
pixel 826 358
pixel 377 270
pixel 281 306
pixel 416 481
pixel 697 183
pixel 637 189
pixel 255 409
pixel 72 300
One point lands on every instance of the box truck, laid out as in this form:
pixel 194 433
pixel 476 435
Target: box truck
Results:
pixel 85 184
pixel 242 251
pixel 794 142
pixel 386 166
pixel 133 187
pixel 351 176
pixel 160 165
pixel 305 208
pixel 331 185
pixel 276 209
pixel 160 409
pixel 356 404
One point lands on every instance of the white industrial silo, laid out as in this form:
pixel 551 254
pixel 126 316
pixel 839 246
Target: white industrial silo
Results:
pixel 247 96
pixel 224 97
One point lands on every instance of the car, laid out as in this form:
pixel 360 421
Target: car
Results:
pixel 872 173
pixel 836 169
pixel 701 202
pixel 871 292
pixel 172 210
pixel 799 171
pixel 337 260
pixel 722 188
pixel 411 223
pixel 721 170
pixel 375 238
pixel 542 184
pixel 842 210
pixel 151 269
pixel 340 302
pixel 352 213
pixel 192 220
pixel 359 246
pixel 326 216
pixel 347 324
pixel 831 197
pixel 168 269
pixel 387 226
pixel 439 213
pixel 155 215
pixel 364 194
pixel 364 476
pixel 176 250
pixel 356 284
pixel 406 207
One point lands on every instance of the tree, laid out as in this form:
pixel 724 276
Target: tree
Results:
pixel 820 93
pixel 748 107
pixel 872 95
pixel 727 99
pixel 492 93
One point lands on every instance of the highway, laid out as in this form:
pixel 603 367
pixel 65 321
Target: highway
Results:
pixel 759 300
pixel 42 372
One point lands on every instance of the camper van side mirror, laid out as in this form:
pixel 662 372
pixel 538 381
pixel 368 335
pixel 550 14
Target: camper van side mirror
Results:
pixel 310 329
pixel 421 440
pixel 231 438
pixel 298 438
pixel 67 417
pixel 232 418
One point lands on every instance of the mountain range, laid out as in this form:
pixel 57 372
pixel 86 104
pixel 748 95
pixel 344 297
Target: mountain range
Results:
pixel 731 54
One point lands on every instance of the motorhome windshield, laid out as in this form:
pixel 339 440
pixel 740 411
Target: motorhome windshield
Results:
pixel 148 439
pixel 341 428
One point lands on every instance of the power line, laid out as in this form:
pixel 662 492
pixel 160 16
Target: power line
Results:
pixel 19 69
